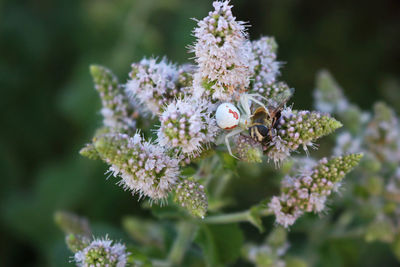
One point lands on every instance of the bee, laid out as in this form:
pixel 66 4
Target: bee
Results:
pixel 259 123
pixel 265 119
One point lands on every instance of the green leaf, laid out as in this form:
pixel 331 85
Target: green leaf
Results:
pixel 221 244
pixel 255 218
pixel 396 247
pixel 295 262
pixel 138 258
pixel 228 161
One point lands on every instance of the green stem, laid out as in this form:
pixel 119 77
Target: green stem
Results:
pixel 353 233
pixel 221 185
pixel 242 216
pixel 181 243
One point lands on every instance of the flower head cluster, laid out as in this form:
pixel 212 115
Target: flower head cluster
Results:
pixel 154 84
pixel 298 128
pixel 264 64
pixel 222 52
pixel 117 111
pixel 274 91
pixel 248 149
pixel 102 253
pixel 308 191
pixel 145 168
pixel 190 195
pixel 265 255
pixel 187 124
pixel 271 252
pixel 382 134
pixel 393 187
pixel 346 144
pixel 185 77
pixel 329 96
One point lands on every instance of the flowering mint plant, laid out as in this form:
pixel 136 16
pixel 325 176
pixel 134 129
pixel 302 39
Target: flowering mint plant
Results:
pixel 173 134
pixel 376 183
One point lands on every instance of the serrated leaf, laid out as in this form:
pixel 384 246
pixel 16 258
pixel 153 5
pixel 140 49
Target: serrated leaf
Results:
pixel 255 218
pixel 221 244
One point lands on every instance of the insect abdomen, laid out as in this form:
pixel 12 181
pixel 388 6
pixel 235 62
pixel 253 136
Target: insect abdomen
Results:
pixel 258 132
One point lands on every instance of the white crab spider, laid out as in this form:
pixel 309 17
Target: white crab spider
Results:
pixel 228 117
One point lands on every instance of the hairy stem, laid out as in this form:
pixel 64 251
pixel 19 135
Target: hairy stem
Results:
pixel 181 243
pixel 242 216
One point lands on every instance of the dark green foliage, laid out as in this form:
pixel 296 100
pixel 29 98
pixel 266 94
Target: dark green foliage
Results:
pixel 221 244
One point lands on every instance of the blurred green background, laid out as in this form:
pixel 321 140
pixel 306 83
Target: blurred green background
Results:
pixel 49 108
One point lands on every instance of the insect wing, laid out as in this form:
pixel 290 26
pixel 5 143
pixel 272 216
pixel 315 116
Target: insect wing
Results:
pixel 281 99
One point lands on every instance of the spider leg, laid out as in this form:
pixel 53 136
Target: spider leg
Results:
pixel 244 102
pixel 257 95
pixel 233 133
pixel 251 98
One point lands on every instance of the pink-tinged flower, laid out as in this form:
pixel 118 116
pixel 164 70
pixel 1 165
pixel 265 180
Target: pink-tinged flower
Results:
pixel 223 54
pixel 187 125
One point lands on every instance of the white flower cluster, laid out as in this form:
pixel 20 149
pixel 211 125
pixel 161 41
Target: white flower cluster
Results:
pixel 266 255
pixel 264 65
pixel 102 253
pixel 222 52
pixel 191 195
pixel 298 129
pixel 117 110
pixel 329 96
pixel 308 191
pixel 248 149
pixel 153 84
pixel 185 99
pixel 346 144
pixel 145 168
pixel 382 134
pixel 187 124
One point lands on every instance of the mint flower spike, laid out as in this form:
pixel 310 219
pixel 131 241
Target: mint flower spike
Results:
pixel 156 84
pixel 248 149
pixel 187 125
pixel 328 95
pixel 298 128
pixel 264 65
pixel 145 168
pixel 102 253
pixel 346 143
pixel 117 111
pixel 222 53
pixel 190 195
pixel 90 152
pixel 382 135
pixel 308 191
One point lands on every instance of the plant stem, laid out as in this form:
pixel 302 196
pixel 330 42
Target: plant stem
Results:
pixel 242 216
pixel 181 243
pixel 221 185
